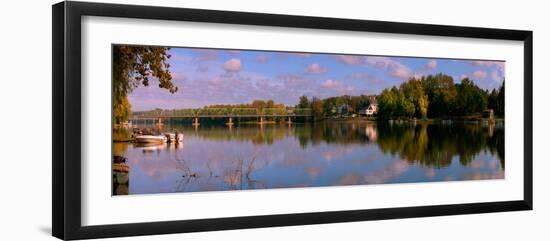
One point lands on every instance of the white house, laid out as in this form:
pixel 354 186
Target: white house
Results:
pixel 372 110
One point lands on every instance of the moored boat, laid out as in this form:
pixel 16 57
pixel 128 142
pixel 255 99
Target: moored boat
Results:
pixel 151 139
pixel 174 137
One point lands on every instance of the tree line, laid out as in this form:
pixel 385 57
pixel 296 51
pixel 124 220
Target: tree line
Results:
pixel 432 96
pixel 335 106
pixel 436 96
pixel 258 104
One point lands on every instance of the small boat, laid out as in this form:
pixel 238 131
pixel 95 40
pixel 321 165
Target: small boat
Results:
pixel 171 137
pixel 174 137
pixel 151 139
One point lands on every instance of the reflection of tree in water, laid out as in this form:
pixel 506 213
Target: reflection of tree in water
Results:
pixel 305 133
pixel 435 145
pixel 259 135
pixel 332 132
pixel 237 176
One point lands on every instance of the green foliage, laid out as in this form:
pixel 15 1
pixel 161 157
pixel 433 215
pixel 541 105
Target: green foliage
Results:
pixel 270 104
pixel 414 93
pixel 441 92
pixel 258 104
pixel 317 107
pixel 495 100
pixel 122 110
pixel 387 102
pixel 437 96
pixel 345 104
pixel 134 66
pixel 304 102
pixel 398 103
pixel 470 98
pixel 436 145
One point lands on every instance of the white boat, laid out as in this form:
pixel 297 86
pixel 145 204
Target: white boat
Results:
pixel 151 139
pixel 173 137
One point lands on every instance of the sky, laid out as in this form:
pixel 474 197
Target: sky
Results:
pixel 218 76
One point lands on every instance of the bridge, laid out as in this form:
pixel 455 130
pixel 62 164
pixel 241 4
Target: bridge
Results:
pixel 229 113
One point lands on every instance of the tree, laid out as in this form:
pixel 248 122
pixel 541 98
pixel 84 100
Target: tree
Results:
pixel 304 102
pixel 500 102
pixel 259 104
pixel 134 66
pixel 387 103
pixel 122 110
pixel 414 93
pixel 364 102
pixel 492 100
pixel 470 98
pixel 270 104
pixel 406 106
pixel 317 107
pixel 441 93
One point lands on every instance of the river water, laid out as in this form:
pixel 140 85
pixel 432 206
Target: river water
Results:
pixel 253 156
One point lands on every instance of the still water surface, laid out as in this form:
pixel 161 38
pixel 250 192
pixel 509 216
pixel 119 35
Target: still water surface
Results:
pixel 251 156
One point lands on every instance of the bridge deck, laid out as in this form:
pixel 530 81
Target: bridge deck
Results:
pixel 222 113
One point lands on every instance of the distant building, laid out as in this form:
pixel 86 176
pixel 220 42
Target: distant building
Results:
pixel 372 109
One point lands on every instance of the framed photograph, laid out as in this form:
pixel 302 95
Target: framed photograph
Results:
pixel 169 120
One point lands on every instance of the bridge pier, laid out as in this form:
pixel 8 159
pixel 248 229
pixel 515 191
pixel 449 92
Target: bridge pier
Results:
pixel 289 121
pixel 196 121
pixel 230 122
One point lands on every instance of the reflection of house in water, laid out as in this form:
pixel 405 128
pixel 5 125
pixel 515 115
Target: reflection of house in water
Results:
pixel 371 133
pixel 489 114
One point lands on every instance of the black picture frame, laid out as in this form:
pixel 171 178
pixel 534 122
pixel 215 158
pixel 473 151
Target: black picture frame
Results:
pixel 66 127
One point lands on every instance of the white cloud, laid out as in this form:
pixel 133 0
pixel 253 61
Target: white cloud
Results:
pixel 498 64
pixel 351 59
pixel 337 86
pixel 432 64
pixel 479 74
pixel 393 67
pixel 232 65
pixel 497 74
pixel 315 69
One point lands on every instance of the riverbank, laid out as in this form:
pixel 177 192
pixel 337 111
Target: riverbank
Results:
pixel 418 120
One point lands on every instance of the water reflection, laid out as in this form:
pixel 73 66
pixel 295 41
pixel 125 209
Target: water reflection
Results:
pixel 217 158
pixel 436 145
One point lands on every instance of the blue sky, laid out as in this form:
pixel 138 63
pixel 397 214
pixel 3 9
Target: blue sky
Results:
pixel 217 76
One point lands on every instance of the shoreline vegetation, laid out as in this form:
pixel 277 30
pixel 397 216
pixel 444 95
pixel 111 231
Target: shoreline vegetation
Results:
pixel 431 97
pixel 413 131
pixel 426 97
